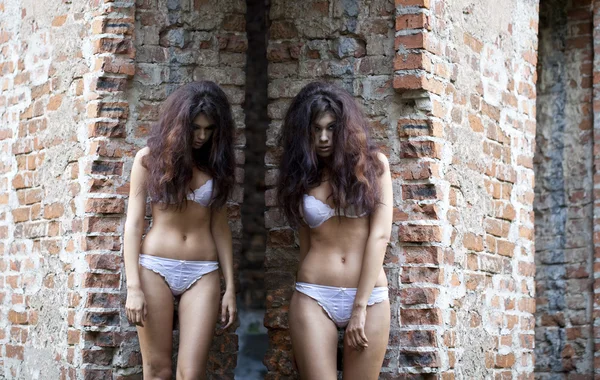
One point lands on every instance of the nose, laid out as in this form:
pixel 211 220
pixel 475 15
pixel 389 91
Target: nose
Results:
pixel 323 136
pixel 202 134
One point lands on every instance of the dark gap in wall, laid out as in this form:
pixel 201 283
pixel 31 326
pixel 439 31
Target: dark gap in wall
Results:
pixel 253 339
pixel 257 121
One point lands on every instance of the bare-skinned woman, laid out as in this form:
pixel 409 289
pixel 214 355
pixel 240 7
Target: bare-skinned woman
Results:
pixel 186 172
pixel 336 187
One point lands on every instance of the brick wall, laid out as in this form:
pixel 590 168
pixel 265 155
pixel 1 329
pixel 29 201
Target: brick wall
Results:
pixel 475 68
pixel 80 83
pixel 42 203
pixel 564 183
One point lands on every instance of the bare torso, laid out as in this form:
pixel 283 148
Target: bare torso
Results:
pixel 337 248
pixel 183 234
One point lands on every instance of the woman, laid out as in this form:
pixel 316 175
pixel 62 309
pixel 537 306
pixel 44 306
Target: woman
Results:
pixel 187 172
pixel 337 187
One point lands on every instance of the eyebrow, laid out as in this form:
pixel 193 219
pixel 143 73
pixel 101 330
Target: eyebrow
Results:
pixel 209 126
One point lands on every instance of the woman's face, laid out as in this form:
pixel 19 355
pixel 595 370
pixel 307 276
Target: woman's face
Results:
pixel 203 130
pixel 322 134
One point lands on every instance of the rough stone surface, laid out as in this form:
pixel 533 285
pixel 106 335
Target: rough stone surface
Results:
pixel 564 192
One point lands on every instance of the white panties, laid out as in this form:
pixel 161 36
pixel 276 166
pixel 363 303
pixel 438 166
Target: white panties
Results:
pixel 179 274
pixel 338 302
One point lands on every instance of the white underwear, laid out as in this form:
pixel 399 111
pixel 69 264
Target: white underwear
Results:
pixel 179 274
pixel 338 302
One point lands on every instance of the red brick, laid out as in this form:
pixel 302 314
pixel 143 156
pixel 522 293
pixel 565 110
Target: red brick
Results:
pixel 53 211
pixel 101 224
pixel 421 317
pixel 107 129
pixel 19 318
pixel 420 233
pixel 418 295
pixel 105 205
pixel 282 30
pixel 421 274
pixel 411 3
pixel 14 351
pixel 101 280
pixel 115 46
pixel 473 43
pixel 411 41
pixel 422 255
pixel 412 21
pixel 234 23
pixel 420 149
pixel 420 192
pixel 505 361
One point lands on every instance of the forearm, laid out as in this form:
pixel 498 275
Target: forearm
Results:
pixel 131 253
pixel 223 243
pixel 371 268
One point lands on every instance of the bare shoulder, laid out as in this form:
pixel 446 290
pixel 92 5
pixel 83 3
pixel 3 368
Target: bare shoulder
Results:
pixel 137 161
pixel 384 160
pixel 142 153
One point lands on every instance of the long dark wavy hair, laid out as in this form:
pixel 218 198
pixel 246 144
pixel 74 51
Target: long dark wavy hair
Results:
pixel 172 158
pixel 354 167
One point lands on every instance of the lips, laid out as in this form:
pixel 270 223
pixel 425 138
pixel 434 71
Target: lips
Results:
pixel 324 148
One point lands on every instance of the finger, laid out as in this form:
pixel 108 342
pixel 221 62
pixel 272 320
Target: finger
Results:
pixel 145 315
pixel 231 318
pixel 127 316
pixel 363 336
pixel 351 340
pixel 223 313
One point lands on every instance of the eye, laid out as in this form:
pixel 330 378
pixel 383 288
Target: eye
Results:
pixel 330 127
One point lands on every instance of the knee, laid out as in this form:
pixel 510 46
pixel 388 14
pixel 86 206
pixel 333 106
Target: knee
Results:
pixel 188 373
pixel 158 371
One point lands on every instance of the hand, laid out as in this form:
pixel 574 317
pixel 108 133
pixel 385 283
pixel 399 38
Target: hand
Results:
pixel 355 335
pixel 228 308
pixel 135 307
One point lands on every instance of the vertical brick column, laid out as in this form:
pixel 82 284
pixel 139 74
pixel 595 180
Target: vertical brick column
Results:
pixel 467 278
pixel 106 335
pixel 421 74
pixel 596 181
pixel 42 108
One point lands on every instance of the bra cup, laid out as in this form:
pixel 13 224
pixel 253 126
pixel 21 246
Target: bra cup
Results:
pixel 315 211
pixel 203 194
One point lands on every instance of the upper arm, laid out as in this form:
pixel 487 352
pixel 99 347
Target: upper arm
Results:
pixel 381 218
pixel 218 219
pixel 136 207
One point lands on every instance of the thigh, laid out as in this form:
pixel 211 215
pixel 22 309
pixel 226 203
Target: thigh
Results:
pixel 156 336
pixel 366 364
pixel 314 339
pixel 198 312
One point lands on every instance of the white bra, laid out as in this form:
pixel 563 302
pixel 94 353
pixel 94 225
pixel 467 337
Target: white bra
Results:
pixel 203 194
pixel 316 212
